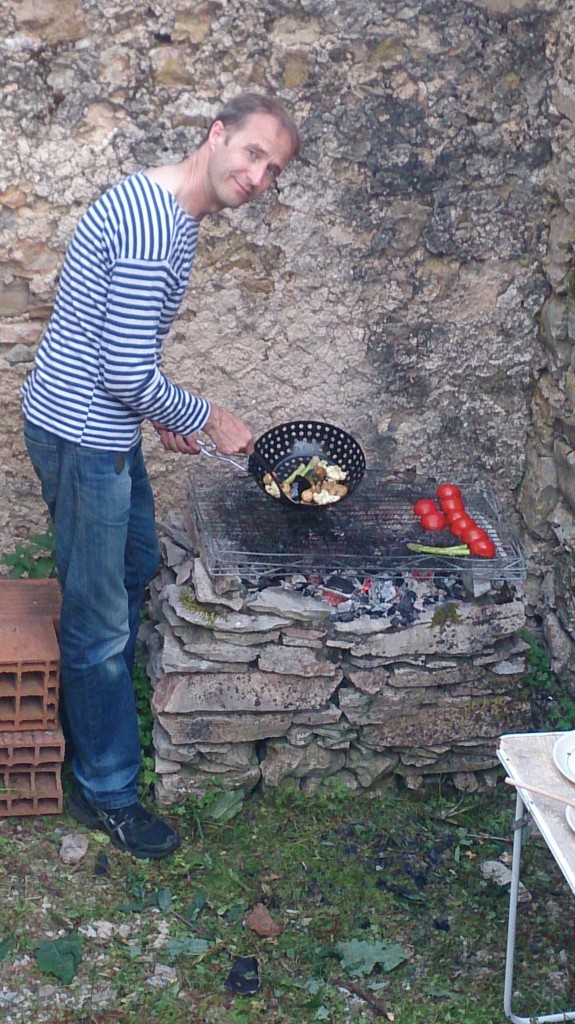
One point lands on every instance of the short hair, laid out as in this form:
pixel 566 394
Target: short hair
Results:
pixel 238 109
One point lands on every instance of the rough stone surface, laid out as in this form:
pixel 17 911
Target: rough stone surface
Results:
pixel 180 693
pixel 406 257
pixel 418 255
pixel 184 729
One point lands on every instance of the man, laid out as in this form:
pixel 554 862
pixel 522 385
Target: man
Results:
pixel 96 378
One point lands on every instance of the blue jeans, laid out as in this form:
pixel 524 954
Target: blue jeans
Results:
pixel 102 508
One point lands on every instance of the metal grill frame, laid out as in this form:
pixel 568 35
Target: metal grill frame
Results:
pixel 223 558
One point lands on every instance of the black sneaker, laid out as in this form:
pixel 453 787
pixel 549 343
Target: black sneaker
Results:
pixel 133 828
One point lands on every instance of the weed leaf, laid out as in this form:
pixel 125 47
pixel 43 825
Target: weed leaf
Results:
pixel 6 946
pixel 359 957
pixel 195 907
pixel 186 947
pixel 60 957
pixel 226 805
pixel 164 898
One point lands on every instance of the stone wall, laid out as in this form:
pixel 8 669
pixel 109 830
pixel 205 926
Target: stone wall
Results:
pixel 547 497
pixel 394 280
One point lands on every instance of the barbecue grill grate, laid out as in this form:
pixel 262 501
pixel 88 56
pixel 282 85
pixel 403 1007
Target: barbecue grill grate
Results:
pixel 241 533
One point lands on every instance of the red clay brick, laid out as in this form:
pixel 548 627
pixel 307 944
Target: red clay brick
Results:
pixel 31 748
pixel 25 599
pixel 32 791
pixel 29 675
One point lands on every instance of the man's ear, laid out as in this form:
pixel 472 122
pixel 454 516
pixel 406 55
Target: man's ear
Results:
pixel 217 133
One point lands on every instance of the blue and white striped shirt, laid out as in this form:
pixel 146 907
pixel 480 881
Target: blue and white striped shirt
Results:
pixel 97 372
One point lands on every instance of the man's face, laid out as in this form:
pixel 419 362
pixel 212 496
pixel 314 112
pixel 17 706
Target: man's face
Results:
pixel 244 161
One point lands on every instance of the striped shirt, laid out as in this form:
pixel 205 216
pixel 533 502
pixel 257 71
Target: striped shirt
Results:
pixel 97 372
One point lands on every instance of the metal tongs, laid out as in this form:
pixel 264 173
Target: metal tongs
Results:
pixel 211 451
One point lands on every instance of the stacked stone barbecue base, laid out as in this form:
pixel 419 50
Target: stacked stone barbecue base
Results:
pixel 263 687
pixel 31 740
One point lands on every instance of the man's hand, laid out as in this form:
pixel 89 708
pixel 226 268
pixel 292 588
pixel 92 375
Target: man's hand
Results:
pixel 177 442
pixel 228 432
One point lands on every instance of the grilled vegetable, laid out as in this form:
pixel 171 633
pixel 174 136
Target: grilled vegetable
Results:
pixel 424 505
pixel 448 491
pixel 433 521
pixel 452 516
pixel 473 533
pixel 271 486
pixel 484 548
pixel 452 505
pixel 461 523
pixel 317 482
pixel 455 551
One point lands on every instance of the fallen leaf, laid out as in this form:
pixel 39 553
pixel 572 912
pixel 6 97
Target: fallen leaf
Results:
pixel 359 957
pixel 226 805
pixel 262 923
pixel 6 946
pixel 60 957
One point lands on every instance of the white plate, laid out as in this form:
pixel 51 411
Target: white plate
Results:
pixel 564 755
pixel 570 815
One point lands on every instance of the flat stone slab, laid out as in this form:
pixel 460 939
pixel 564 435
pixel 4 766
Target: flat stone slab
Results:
pixel 324 716
pixel 205 592
pixel 289 603
pixel 299 661
pixel 458 719
pixel 223 728
pixel 184 605
pixel 215 657
pixel 282 760
pixel 466 629
pixel 198 643
pixel 180 693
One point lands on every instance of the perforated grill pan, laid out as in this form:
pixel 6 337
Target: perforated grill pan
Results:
pixel 284 447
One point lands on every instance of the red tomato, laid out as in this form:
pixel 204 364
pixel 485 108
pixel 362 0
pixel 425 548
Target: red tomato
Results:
pixel 452 516
pixel 424 505
pixel 448 491
pixel 452 505
pixel 484 548
pixel 460 524
pixel 433 521
pixel 472 533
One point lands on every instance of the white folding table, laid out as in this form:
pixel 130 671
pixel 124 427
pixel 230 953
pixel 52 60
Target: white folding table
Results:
pixel 528 758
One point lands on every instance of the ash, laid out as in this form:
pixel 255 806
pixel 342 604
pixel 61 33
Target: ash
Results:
pixel 402 598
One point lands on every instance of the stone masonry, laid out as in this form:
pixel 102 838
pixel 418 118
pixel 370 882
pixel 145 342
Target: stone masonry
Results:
pixel 267 686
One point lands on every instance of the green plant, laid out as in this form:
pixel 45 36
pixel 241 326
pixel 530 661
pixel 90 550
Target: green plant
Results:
pixel 33 560
pixel 142 690
pixel 552 702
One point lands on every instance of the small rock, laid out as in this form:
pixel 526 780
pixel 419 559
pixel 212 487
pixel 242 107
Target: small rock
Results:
pixel 163 934
pixel 47 992
pixel 501 875
pixel 19 354
pixel 162 976
pixel 73 848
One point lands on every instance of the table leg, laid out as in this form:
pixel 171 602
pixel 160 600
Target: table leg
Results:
pixel 550 1018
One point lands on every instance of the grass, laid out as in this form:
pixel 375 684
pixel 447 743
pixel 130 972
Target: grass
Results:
pixel 384 911
pixel 399 871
